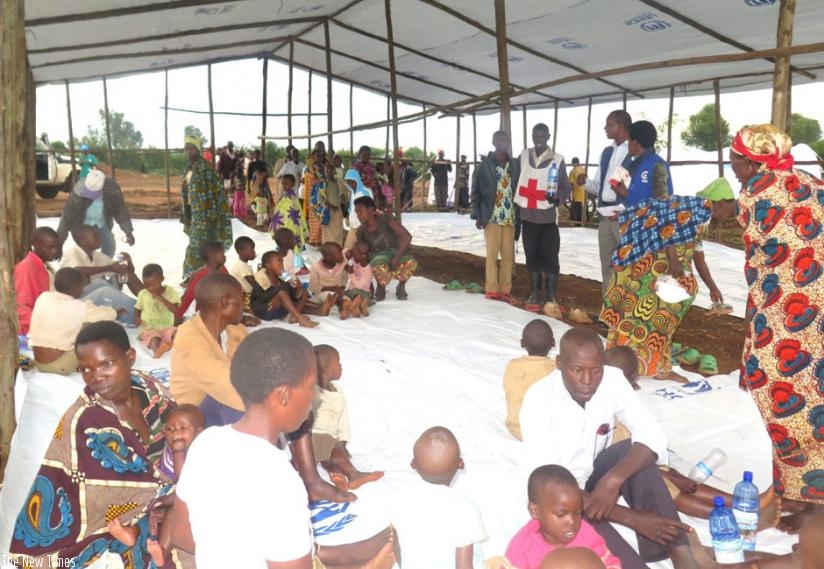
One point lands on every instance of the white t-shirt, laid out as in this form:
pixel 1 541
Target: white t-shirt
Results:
pixel 77 257
pixel 432 522
pixel 247 504
pixel 240 270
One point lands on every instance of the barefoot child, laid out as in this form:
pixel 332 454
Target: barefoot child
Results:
pixel 262 206
pixel 155 311
pixel 556 506
pixel 327 279
pixel 279 298
pixel 358 288
pixel 330 431
pixel 287 245
pixel 245 249
pixel 521 373
pixel 438 527
pixel 214 259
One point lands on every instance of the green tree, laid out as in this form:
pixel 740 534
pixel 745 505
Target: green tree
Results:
pixel 124 134
pixel 700 133
pixel 804 129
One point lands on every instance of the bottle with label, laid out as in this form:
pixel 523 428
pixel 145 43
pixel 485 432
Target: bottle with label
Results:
pixel 122 278
pixel 726 539
pixel 745 506
pixel 704 469
pixel 552 182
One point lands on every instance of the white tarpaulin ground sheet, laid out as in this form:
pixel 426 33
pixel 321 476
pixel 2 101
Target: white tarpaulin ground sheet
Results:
pixel 437 359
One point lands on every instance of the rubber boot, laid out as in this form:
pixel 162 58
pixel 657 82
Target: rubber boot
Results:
pixel 533 302
pixel 551 307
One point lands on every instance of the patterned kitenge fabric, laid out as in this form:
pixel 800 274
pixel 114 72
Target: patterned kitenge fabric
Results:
pixel 288 214
pixel 206 214
pixel 96 469
pixel 634 313
pixel 782 212
pixel 314 198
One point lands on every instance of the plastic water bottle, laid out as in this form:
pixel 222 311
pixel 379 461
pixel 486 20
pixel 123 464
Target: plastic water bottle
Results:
pixel 122 278
pixel 552 182
pixel 745 505
pixel 704 469
pixel 726 539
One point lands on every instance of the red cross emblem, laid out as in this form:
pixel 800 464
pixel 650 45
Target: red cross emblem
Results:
pixel 532 193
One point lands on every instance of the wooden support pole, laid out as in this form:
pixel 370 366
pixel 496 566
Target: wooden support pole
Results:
pixel 328 84
pixel 212 141
pixel 309 116
pixel 586 161
pixel 388 121
pixel 264 106
pixel 526 128
pixel 456 199
pixel 503 67
pixel 624 100
pixel 425 155
pixel 393 94
pixel 289 91
pixel 166 147
pixel 108 129
pixel 669 123
pixel 351 121
pixel 71 135
pixel 781 78
pixel 555 126
pixel 474 139
pixel 719 143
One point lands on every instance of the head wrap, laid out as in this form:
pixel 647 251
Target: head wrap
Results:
pixel 765 144
pixel 718 190
pixel 91 187
pixel 194 141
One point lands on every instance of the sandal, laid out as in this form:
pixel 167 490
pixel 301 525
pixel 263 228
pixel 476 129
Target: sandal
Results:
pixel 707 365
pixel 474 288
pixel 505 297
pixel 689 356
pixel 453 285
pixel 492 296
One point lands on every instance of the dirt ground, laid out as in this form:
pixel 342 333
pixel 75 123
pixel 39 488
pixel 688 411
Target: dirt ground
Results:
pixel 721 336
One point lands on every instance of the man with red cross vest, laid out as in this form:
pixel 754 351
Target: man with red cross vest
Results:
pixel 542 186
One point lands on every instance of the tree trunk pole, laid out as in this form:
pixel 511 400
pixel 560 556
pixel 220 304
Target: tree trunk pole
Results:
pixel 669 123
pixel 71 134
pixel 264 106
pixel 108 128
pixel 503 68
pixel 166 147
pixel 781 78
pixel 212 142
pixel 474 139
pixel 457 159
pixel 329 127
pixel 425 155
pixel 289 91
pixel 393 93
pixel 309 115
pixel 586 160
pixel 351 121
pixel 624 100
pixel 526 128
pixel 388 120
pixel 719 143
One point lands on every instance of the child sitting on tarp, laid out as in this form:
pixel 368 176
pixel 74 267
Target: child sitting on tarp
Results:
pixel 327 280
pixel 274 298
pixel 155 311
pixel 359 286
pixel 214 261
pixel 330 430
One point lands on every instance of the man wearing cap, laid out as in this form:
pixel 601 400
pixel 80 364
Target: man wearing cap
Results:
pixel 88 161
pixel 96 200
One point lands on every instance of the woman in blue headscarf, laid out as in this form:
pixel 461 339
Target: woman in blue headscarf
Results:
pixel 358 190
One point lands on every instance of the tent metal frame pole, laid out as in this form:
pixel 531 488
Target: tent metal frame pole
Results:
pixel 71 134
pixel 781 78
pixel 264 106
pixel 309 116
pixel 108 129
pixel 474 139
pixel 719 143
pixel 289 90
pixel 328 84
pixel 393 86
pixel 166 144
pixel 526 142
pixel 669 123
pixel 212 141
pixel 586 160
pixel 503 68
pixel 351 120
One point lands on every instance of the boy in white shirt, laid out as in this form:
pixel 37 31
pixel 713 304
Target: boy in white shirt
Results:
pixel 240 269
pixel 57 318
pixel 438 527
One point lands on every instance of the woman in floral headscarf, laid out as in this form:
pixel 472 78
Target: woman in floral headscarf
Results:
pixel 314 193
pixel 782 211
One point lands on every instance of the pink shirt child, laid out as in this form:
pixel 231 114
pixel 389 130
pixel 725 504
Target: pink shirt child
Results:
pixel 360 278
pixel 32 277
pixel 528 548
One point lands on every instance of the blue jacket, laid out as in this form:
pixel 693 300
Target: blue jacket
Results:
pixel 641 170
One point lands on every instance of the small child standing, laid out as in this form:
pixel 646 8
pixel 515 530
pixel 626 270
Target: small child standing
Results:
pixel 288 247
pixel 262 207
pixel 358 288
pixel 523 372
pixel 214 259
pixel 288 212
pixel 438 526
pixel 327 279
pixel 245 249
pixel 155 311
pixel 330 430
pixel 273 298
pixel 556 505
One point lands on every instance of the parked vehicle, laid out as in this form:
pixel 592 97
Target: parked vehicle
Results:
pixel 53 171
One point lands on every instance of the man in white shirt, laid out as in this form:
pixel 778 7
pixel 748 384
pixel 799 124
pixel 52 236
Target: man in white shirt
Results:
pixel 614 155
pixel 568 417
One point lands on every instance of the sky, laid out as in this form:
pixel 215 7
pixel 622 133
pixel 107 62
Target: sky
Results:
pixel 237 87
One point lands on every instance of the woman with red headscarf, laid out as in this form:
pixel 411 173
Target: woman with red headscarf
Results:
pixel 782 211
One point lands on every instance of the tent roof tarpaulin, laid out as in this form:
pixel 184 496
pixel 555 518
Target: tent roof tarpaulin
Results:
pixel 445 49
